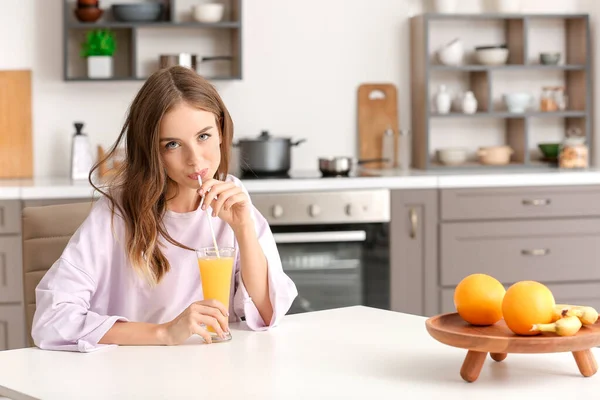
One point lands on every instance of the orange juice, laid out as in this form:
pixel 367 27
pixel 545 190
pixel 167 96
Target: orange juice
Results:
pixel 215 274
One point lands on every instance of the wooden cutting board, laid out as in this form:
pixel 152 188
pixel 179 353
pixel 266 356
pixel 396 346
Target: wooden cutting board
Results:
pixel 377 111
pixel 16 153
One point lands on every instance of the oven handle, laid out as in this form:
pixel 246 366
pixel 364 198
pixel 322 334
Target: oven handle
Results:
pixel 320 237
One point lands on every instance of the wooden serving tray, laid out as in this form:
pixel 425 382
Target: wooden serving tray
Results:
pixel 498 340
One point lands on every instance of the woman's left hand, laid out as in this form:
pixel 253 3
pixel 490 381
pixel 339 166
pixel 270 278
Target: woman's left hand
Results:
pixel 228 201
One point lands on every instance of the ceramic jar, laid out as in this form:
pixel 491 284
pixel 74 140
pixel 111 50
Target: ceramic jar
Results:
pixel 469 103
pixel 443 101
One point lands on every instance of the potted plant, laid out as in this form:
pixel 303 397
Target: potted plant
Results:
pixel 99 48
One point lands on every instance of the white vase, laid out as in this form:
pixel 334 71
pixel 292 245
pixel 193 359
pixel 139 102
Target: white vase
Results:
pixel 100 66
pixel 445 6
pixel 469 103
pixel 443 101
pixel 508 6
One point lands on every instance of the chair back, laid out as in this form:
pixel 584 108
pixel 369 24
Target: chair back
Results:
pixel 46 232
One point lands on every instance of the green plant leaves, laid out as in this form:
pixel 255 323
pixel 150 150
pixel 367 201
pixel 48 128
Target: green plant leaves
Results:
pixel 99 42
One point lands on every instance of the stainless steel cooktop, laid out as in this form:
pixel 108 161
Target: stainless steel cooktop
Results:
pixel 306 174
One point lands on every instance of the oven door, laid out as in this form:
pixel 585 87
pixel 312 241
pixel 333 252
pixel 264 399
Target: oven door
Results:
pixel 334 265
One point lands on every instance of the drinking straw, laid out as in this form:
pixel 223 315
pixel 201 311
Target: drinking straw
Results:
pixel 212 231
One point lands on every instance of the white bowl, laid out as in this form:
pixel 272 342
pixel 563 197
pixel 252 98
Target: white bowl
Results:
pixel 517 102
pixel 496 56
pixel 208 13
pixel 452 155
pixel 452 53
pixel 495 155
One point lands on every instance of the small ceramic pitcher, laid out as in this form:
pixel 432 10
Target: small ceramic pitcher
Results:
pixel 443 101
pixel 469 103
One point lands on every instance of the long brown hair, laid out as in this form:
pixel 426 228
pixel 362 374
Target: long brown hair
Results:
pixel 138 190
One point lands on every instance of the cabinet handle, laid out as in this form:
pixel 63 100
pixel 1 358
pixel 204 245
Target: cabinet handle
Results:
pixel 535 252
pixel 413 222
pixel 536 202
pixel 1 216
pixel 3 272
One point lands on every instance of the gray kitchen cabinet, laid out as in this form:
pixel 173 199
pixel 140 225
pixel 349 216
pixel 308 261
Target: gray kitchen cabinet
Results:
pixel 413 251
pixel 548 251
pixel 10 221
pixel 584 294
pixel 12 326
pixel 50 202
pixel 519 202
pixel 547 234
pixel 11 272
pixel 12 320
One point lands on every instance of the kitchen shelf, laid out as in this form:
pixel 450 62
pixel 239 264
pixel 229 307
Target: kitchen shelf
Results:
pixel 500 16
pixel 155 24
pixel 519 130
pixel 475 165
pixel 131 63
pixel 141 78
pixel 506 114
pixel 514 67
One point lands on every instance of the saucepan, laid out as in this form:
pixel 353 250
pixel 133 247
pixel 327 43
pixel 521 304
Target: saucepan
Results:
pixel 186 60
pixel 341 166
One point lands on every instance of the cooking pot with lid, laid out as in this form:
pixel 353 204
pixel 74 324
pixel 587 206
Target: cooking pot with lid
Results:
pixel 266 154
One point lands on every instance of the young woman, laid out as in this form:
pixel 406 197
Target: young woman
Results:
pixel 129 275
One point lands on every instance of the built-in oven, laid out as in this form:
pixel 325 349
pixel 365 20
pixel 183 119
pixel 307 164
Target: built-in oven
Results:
pixel 334 245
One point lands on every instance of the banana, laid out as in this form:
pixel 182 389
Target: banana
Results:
pixel 559 311
pixel 567 326
pixel 587 315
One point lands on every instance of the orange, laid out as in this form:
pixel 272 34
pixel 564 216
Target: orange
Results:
pixel 478 299
pixel 527 303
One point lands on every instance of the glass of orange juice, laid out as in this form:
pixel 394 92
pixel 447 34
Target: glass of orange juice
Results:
pixel 216 268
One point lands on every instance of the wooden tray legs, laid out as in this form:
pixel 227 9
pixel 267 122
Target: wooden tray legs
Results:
pixel 474 362
pixel 471 368
pixel 472 365
pixel 586 362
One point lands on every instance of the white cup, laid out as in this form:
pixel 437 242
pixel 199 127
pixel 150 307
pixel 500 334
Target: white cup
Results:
pixel 208 12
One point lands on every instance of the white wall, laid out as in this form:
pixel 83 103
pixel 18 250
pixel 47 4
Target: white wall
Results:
pixel 303 61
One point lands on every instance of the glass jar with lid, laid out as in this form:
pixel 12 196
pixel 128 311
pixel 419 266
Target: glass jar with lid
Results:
pixel 560 98
pixel 548 100
pixel 574 152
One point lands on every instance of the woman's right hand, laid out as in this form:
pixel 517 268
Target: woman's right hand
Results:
pixel 208 312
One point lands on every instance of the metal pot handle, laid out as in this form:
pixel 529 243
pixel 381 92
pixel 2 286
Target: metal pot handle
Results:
pixel 298 142
pixel 372 160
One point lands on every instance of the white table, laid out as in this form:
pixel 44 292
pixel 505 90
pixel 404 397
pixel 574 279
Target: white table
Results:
pixel 350 353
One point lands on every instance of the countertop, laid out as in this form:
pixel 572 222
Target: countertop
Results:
pixel 347 353
pixel 55 188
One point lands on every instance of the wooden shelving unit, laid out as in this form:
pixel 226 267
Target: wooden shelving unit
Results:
pixel 575 68
pixel 127 59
